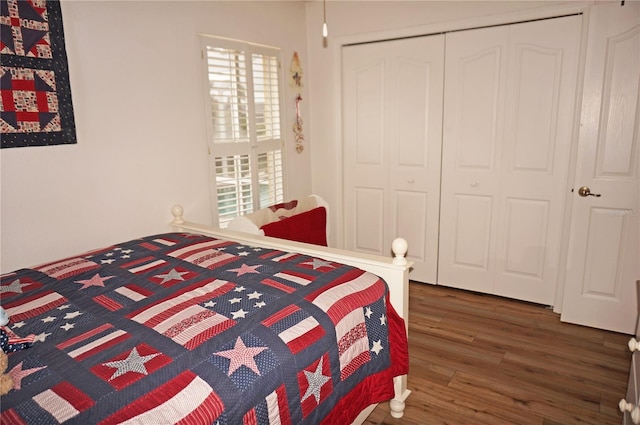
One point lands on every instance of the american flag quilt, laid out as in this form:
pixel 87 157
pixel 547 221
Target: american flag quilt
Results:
pixel 35 91
pixel 184 328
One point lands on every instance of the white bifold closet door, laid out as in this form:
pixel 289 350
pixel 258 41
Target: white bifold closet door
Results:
pixel 392 123
pixel 509 104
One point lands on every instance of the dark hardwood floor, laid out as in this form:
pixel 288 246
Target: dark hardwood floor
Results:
pixel 481 359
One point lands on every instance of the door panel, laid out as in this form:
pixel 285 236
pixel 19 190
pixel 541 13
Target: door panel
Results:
pixel 536 106
pixel 620 107
pixel 475 89
pixel 411 103
pixel 469 245
pixel 369 130
pixel 415 138
pixel 369 204
pixel 603 244
pixel 525 238
pixel 365 194
pixel 605 248
pixel 392 96
pixel 472 231
pixel 478 76
pixel 539 121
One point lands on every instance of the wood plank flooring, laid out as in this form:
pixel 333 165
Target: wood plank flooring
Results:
pixel 481 359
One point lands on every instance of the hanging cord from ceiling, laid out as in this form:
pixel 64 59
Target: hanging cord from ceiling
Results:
pixel 325 31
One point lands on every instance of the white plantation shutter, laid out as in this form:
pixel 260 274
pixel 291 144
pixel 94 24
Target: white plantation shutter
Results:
pixel 227 77
pixel 233 186
pixel 265 89
pixel 270 177
pixel 243 100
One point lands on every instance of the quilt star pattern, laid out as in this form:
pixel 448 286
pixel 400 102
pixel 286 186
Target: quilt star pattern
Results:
pixel 35 96
pixel 183 328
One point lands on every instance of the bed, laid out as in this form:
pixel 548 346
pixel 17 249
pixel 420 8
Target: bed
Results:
pixel 202 325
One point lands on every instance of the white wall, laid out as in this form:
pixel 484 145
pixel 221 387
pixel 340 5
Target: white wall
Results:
pixel 136 87
pixel 358 21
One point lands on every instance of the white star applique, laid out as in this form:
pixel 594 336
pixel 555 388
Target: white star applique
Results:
pixel 239 314
pixel 240 289
pixel 72 315
pixel 241 355
pixel 41 337
pixel 368 312
pixel 383 320
pixel 255 295
pixel 210 304
pixel 48 319
pixel 15 287
pixel 133 363
pixel 67 326
pixel 377 347
pixel 172 275
pixel 316 380
pixel 260 304
pixel 235 300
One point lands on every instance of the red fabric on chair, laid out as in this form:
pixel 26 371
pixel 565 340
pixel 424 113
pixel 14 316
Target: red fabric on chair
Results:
pixel 309 226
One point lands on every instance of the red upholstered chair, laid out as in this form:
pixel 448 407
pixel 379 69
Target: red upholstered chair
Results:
pixel 309 227
pixel 303 220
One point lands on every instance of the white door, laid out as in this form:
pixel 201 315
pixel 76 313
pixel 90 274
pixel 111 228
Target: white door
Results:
pixel 392 123
pixel 603 247
pixel 472 152
pixel 508 118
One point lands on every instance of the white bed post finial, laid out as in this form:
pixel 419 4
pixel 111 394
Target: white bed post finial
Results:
pixel 177 211
pixel 399 248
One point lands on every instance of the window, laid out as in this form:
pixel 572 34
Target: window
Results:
pixel 245 134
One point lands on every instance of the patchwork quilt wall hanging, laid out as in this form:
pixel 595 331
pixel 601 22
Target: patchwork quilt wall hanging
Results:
pixel 35 103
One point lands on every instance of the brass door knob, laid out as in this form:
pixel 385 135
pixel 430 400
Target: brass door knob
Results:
pixel 585 191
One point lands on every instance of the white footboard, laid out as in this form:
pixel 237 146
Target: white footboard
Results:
pixel 395 271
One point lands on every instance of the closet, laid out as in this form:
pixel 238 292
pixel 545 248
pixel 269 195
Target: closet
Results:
pixel 460 143
pixel 509 163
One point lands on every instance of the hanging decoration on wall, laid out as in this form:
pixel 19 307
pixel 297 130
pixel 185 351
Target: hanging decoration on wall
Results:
pixel 297 127
pixel 296 83
pixel 34 79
